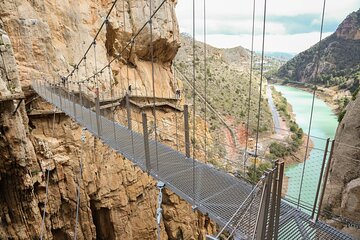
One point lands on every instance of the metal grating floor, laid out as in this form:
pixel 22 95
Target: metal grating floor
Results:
pixel 216 193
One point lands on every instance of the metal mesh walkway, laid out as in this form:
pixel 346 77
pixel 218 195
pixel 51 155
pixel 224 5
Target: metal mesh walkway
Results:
pixel 213 192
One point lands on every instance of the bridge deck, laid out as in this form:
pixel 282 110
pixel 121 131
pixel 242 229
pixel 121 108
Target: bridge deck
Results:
pixel 215 192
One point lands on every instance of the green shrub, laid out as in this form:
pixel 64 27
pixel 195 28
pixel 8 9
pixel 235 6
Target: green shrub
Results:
pixel 278 149
pixel 254 175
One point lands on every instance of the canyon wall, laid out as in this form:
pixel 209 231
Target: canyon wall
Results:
pixel 43 40
pixel 342 195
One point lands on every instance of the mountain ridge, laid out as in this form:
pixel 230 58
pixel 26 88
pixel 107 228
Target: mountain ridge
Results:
pixel 339 63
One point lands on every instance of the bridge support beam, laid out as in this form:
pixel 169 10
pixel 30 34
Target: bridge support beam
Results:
pixel 274 196
pixel 261 220
pixel 279 180
pixel 320 180
pixel 146 143
pixel 267 222
pixel 325 179
pixel 187 135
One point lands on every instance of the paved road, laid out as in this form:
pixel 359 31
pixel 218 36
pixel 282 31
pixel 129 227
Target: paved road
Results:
pixel 274 112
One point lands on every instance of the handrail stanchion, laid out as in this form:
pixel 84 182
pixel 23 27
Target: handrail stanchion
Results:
pixel 146 143
pixel 187 135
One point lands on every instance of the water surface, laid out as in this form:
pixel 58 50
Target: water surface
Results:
pixel 323 126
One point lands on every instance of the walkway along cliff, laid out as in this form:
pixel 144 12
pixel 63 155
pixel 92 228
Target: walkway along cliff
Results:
pixel 118 200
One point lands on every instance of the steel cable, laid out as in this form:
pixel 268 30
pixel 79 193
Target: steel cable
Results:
pixel 250 85
pixel 313 100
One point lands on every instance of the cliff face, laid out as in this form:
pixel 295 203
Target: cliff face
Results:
pixel 17 154
pixel 339 61
pixel 50 37
pixel 343 187
pixel 118 200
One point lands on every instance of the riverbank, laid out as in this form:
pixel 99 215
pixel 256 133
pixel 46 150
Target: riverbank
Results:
pixel 289 128
pixel 323 126
pixel 291 133
pixel 332 96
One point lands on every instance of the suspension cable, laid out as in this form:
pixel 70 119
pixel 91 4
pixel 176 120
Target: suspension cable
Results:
pixel 250 86
pixel 117 56
pixel 205 80
pixel 243 216
pixel 177 90
pixel 83 138
pixel 240 207
pixel 153 84
pixel 47 185
pixel 95 38
pixel 194 100
pixel 313 100
pixel 261 85
pixel 127 63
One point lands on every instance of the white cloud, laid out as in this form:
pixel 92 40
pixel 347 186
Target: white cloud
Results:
pixel 232 19
pixel 236 27
pixel 273 43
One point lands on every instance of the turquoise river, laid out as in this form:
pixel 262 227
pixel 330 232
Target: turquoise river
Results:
pixel 324 126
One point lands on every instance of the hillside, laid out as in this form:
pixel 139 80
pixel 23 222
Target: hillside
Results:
pixel 228 84
pixel 339 59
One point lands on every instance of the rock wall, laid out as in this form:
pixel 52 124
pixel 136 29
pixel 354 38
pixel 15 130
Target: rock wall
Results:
pixel 118 200
pixel 50 37
pixel 343 188
pixel 17 154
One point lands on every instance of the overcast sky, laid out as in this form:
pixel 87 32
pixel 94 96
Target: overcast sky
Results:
pixel 292 25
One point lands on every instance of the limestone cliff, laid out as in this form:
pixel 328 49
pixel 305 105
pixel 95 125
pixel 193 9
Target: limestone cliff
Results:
pixel 343 187
pixel 118 200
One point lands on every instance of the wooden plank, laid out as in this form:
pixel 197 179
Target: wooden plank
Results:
pixel 162 104
pixel 15 96
pixel 38 113
pixel 150 97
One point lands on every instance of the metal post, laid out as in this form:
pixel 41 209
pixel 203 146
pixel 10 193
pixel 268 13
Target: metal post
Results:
pixel 259 222
pixel 325 179
pixel 128 110
pixel 74 104
pixel 273 203
pixel 81 102
pixel 60 96
pixel 278 199
pixel 146 143
pixel 97 107
pixel 320 178
pixel 266 206
pixel 68 91
pixel 187 135
pixel 176 132
pixel 51 93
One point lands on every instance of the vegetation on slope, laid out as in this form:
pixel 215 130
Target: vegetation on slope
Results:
pixel 228 84
pixel 278 149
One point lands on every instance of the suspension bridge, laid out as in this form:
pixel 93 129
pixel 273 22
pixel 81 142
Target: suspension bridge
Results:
pixel 209 190
pixel 245 210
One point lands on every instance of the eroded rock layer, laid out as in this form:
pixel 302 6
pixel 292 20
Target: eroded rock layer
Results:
pixel 43 40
